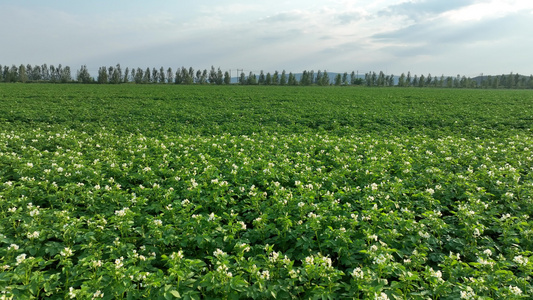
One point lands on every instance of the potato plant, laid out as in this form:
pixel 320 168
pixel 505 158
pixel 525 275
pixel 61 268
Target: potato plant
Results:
pixel 236 192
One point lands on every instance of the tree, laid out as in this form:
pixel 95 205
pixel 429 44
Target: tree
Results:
pixel 215 77
pixel 338 79
pixel 83 75
pixel 188 76
pixel 449 82
pixel 408 79
pixel 155 75
pixel 463 82
pixel 162 77
pixel 53 73
pixel 139 76
pixel 345 78
pixel 46 72
pixel 227 78
pixel 275 78
pixel 358 81
pixel 23 77
pixel 514 80
pixel 457 81
pixel 252 79
pixel 29 72
pixel 146 76
pixel 487 83
pixel 421 81
pixel 261 78
pixel 116 75
pixel 14 73
pixel 283 78
pixel 318 78
pixel 308 77
pixel 381 79
pixel 102 75
pixel 268 79
pixel 66 75
pixel 220 77
pixel 37 73
pixel 242 79
pixel 5 74
pixel 11 74
pixel 110 74
pixel 126 75
pixel 170 75
pixel 203 77
pixel 178 79
pixel 325 78
pixel 401 80
pixel 212 75
pixel 496 82
pixel 292 79
pixel 304 80
pixel 181 75
pixel 184 77
pixel 56 74
pixel 198 76
pixel 520 83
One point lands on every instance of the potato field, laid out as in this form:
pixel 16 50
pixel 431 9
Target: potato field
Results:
pixel 263 192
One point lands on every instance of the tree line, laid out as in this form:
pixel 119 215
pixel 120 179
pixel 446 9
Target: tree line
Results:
pixel 117 75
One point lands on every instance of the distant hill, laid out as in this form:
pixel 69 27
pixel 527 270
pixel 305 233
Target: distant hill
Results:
pixel 516 77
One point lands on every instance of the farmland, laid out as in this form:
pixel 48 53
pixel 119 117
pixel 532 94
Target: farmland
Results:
pixel 155 191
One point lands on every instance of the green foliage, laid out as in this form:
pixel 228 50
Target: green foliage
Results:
pixel 212 191
pixel 114 75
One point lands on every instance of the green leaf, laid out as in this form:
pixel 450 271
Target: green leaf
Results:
pixel 175 294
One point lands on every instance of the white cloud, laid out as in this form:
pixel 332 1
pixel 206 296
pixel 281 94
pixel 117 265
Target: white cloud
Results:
pixel 489 9
pixel 231 9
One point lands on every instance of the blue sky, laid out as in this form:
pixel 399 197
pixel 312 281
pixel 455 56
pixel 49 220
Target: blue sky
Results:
pixel 449 37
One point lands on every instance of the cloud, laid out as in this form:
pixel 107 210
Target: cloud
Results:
pixel 474 44
pixel 438 32
pixel 452 23
pixel 489 9
pixel 284 17
pixel 230 9
pixel 419 9
pixel 346 18
pixel 292 35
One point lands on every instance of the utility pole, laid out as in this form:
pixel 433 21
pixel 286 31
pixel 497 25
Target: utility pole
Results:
pixel 239 74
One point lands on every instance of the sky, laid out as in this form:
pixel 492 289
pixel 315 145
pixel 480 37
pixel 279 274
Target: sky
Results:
pixel 440 37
